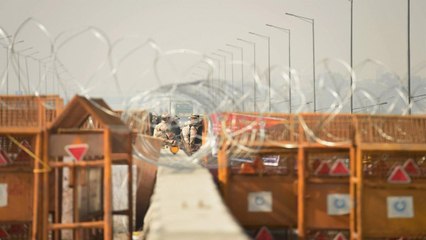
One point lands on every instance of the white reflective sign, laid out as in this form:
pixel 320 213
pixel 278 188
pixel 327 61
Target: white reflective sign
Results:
pixel 400 207
pixel 260 202
pixel 338 204
pixel 3 195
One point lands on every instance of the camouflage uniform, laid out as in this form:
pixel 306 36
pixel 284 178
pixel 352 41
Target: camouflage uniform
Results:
pixel 163 130
pixel 191 135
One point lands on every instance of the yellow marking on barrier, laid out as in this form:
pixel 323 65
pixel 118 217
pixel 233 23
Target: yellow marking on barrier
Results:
pixel 45 168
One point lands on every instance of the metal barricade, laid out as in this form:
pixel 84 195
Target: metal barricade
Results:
pixel 257 171
pixel 390 177
pixel 22 120
pixel 326 154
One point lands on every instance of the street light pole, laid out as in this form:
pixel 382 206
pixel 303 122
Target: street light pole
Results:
pixel 232 72
pixel 209 74
pixel 232 66
pixel 224 62
pixel 409 53
pixel 289 59
pixel 352 81
pixel 254 69
pixel 218 78
pixel 242 68
pixel 218 61
pixel 312 21
pixel 269 65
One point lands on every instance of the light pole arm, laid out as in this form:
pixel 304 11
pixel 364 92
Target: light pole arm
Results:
pixel 269 66
pixel 311 20
pixel 259 35
pixel 289 60
pixel 298 16
pixel 254 70
pixel 242 68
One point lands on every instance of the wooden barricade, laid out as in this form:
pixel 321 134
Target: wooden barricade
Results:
pixel 22 120
pixel 258 178
pixel 390 177
pixel 325 156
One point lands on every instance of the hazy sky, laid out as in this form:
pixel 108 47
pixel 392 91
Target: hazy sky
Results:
pixel 380 27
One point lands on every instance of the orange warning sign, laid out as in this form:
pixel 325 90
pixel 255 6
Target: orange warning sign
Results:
pixel 77 151
pixel 399 175
pixel 339 168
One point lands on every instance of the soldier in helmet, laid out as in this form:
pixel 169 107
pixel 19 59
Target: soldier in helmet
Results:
pixel 154 120
pixel 164 130
pixel 191 134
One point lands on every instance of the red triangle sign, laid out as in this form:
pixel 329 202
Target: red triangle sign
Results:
pixel 23 155
pixel 316 163
pixel 4 159
pixel 3 233
pixel 339 236
pixel 399 175
pixel 264 234
pixel 77 151
pixel 411 167
pixel 323 168
pixel 320 236
pixel 339 168
pixel 16 229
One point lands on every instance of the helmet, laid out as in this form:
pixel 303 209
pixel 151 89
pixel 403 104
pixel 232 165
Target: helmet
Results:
pixel 165 116
pixel 194 116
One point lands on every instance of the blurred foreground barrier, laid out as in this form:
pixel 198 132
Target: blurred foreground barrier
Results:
pixel 186 205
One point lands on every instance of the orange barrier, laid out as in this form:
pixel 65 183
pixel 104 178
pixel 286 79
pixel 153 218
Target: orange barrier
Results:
pixel 22 120
pixel 358 176
pixel 390 177
pixel 258 181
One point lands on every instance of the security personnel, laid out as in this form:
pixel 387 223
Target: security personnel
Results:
pixel 164 130
pixel 191 134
